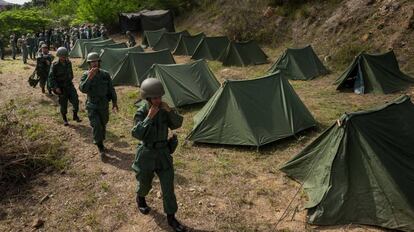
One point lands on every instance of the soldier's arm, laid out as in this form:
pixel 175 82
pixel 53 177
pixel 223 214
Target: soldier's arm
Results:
pixel 71 70
pixel 174 120
pixel 142 126
pixel 113 95
pixel 85 83
pixel 51 78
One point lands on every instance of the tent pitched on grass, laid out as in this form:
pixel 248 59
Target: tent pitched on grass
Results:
pixel 99 48
pixel 187 44
pixel 151 38
pixel 299 64
pixel 169 40
pixel 185 84
pixel 111 56
pixel 132 68
pixel 243 54
pixel 251 112
pixel 88 45
pixel 78 47
pixel 374 73
pixel 361 169
pixel 211 48
pixel 157 19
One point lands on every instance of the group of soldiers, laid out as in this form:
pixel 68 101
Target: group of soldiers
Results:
pixel 152 120
pixel 30 44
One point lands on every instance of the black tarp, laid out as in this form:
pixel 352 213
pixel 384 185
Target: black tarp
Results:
pixel 147 20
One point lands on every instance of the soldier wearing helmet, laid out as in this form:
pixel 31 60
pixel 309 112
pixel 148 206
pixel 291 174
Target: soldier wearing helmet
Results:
pixel 152 121
pixel 44 61
pixel 60 81
pixel 30 45
pixel 97 84
pixel 24 47
pixel 13 46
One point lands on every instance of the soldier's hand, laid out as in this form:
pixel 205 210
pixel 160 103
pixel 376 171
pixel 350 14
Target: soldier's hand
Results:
pixel 58 91
pixel 92 73
pixel 165 107
pixel 153 111
pixel 115 108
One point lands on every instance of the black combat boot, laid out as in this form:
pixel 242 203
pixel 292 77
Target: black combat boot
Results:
pixel 101 149
pixel 76 117
pixel 142 205
pixel 43 90
pixel 176 225
pixel 65 120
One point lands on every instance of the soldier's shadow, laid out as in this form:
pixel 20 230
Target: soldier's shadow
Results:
pixel 119 159
pixel 161 221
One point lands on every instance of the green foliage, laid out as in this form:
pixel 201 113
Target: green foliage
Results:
pixel 23 21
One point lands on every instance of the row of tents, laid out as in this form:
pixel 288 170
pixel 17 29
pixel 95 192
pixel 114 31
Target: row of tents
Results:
pixel 360 170
pixel 378 73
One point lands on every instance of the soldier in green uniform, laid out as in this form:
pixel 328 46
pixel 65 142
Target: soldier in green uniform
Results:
pixel 60 81
pixel 131 39
pixel 13 46
pixel 23 47
pixel 44 61
pixel 31 45
pixel 97 84
pixel 152 121
pixel 1 47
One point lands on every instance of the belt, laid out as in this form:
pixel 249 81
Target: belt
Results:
pixel 154 145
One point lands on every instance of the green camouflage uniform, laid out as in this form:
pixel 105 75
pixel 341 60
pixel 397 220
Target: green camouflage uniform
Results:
pixel 13 47
pixel 44 61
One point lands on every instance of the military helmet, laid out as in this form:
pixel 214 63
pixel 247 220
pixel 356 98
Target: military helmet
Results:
pixel 62 52
pixel 128 32
pixel 151 87
pixel 93 56
pixel 43 45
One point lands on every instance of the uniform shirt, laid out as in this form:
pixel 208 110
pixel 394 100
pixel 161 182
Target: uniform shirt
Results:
pixel 44 61
pixel 61 75
pixel 99 90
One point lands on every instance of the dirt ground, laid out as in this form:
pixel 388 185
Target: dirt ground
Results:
pixel 219 188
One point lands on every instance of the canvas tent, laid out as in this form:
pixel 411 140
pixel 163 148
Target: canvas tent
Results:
pixel 78 47
pixel 99 48
pixel 187 44
pixel 210 48
pixel 361 169
pixel 132 68
pixel 169 40
pixel 146 20
pixel 111 56
pixel 299 64
pixel 185 84
pixel 243 54
pixel 89 45
pixel 157 19
pixel 151 38
pixel 129 21
pixel 374 73
pixel 251 112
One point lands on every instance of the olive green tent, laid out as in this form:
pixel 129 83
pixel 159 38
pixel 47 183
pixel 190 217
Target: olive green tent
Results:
pixel 88 45
pixel 299 64
pixel 132 68
pixel 78 47
pixel 99 48
pixel 151 38
pixel 243 54
pixel 374 73
pixel 251 112
pixel 111 56
pixel 169 40
pixel 187 44
pixel 185 84
pixel 211 48
pixel 361 169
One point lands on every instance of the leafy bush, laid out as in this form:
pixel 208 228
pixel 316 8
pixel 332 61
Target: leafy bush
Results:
pixel 23 21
